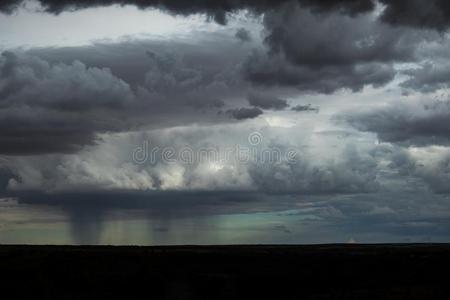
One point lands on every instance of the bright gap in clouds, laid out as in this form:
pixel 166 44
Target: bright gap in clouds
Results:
pixel 30 28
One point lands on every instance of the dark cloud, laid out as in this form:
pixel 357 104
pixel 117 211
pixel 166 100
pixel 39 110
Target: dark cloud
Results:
pixel 428 164
pixel 265 101
pixel 278 163
pixel 133 60
pixel 305 107
pixel 326 52
pixel 56 108
pixel 8 6
pixel 315 46
pixel 423 14
pixel 32 82
pixel 417 13
pixel 332 39
pixel 102 100
pixel 260 68
pixel 51 102
pixel 274 70
pixel 422 123
pixel 160 202
pixel 244 113
pixel 430 71
pixel 354 172
pixel 215 9
pixel 429 77
pixel 243 35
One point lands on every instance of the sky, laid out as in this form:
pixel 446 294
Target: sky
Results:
pixel 222 122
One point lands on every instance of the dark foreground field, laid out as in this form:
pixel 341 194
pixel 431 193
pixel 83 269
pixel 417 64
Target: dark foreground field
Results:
pixel 226 272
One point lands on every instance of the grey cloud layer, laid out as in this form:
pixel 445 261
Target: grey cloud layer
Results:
pixel 128 86
pixel 348 168
pixel 418 139
pixel 429 77
pixel 327 52
pixel 47 108
pixel 317 46
pixel 52 103
pixel 216 9
pixel 433 14
pixel 353 172
pixel 245 113
pixel 266 101
pixel 416 123
pixel 61 104
pixel 71 118
pixel 431 165
pixel 433 70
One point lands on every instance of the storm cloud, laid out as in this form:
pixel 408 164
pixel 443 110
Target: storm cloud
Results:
pixel 217 10
pixel 409 123
pixel 433 14
pixel 51 102
pixel 429 77
pixel 265 101
pixel 279 164
pixel 55 107
pixel 341 52
pixel 237 75
pixel 347 46
pixel 245 113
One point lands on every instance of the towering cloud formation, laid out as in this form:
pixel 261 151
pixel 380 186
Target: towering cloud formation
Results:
pixel 56 108
pixel 213 167
pixel 53 106
pixel 326 52
pixel 66 102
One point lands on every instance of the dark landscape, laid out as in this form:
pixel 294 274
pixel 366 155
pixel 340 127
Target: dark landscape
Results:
pixel 385 271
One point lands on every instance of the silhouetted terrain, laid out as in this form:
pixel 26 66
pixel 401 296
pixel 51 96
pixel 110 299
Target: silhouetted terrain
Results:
pixel 226 272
